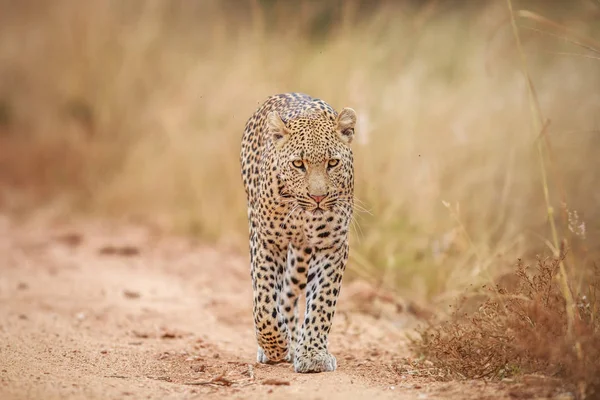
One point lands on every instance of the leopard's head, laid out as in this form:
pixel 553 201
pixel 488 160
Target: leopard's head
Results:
pixel 314 158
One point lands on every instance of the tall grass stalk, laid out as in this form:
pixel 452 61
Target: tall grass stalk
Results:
pixel 538 130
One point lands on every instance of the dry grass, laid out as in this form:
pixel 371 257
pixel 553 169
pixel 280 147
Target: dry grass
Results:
pixel 137 108
pixel 522 328
pixel 543 320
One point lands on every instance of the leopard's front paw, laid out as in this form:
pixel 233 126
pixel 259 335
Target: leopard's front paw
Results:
pixel 262 358
pixel 290 356
pixel 315 362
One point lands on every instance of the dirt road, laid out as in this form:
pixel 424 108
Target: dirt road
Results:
pixel 91 310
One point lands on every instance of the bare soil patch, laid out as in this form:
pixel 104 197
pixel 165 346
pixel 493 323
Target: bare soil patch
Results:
pixel 95 310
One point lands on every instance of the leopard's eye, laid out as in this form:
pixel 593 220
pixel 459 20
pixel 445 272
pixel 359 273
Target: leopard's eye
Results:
pixel 298 163
pixel 333 162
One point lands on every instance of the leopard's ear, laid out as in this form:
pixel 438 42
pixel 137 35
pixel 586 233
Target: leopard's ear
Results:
pixel 277 129
pixel 346 121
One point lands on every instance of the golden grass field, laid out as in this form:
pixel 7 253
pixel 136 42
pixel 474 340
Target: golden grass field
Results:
pixel 137 108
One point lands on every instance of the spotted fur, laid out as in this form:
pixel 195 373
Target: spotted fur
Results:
pixel 297 168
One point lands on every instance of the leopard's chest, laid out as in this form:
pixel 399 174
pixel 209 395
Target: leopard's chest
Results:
pixel 288 224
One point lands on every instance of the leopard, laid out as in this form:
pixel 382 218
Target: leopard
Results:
pixel 297 168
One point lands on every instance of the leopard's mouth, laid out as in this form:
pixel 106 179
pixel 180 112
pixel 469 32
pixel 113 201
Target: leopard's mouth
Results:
pixel 315 209
pixel 318 211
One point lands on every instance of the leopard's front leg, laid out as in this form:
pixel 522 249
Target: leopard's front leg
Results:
pixel 267 266
pixel 294 282
pixel 324 281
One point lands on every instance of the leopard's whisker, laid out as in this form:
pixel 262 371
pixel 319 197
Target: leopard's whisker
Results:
pixel 358 204
pixel 354 223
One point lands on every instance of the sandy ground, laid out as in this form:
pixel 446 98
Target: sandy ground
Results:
pixel 91 310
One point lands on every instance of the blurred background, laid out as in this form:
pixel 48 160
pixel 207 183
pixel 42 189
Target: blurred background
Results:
pixel 136 109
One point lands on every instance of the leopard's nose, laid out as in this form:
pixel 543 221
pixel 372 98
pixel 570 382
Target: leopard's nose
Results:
pixel 318 198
